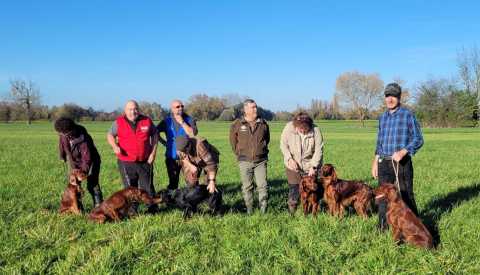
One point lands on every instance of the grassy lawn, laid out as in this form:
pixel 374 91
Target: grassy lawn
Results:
pixel 35 239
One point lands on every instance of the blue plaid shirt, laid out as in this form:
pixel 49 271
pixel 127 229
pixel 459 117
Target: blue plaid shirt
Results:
pixel 396 131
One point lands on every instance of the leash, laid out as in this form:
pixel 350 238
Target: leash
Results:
pixel 396 170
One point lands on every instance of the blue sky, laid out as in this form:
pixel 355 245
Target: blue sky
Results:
pixel 281 53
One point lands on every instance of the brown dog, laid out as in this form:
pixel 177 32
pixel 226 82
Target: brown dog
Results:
pixel 404 223
pixel 72 196
pixel 116 207
pixel 309 195
pixel 339 193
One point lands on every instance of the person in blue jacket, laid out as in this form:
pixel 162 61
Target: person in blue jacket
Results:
pixel 177 123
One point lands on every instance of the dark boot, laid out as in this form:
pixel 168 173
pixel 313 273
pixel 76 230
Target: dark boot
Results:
pixel 292 208
pixel 97 197
pixel 382 215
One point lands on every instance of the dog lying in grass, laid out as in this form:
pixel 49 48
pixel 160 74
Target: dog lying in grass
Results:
pixel 406 226
pixel 309 195
pixel 339 193
pixel 71 202
pixel 188 199
pixel 116 207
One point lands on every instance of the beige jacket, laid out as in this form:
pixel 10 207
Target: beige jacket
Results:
pixel 307 152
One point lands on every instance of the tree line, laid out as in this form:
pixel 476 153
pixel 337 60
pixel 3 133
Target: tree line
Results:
pixel 437 102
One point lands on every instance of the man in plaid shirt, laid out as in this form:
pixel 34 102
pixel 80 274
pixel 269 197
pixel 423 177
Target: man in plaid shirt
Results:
pixel 399 138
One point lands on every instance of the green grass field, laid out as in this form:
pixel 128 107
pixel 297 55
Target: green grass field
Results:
pixel 35 239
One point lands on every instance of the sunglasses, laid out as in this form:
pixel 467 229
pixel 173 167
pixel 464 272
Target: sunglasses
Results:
pixel 178 106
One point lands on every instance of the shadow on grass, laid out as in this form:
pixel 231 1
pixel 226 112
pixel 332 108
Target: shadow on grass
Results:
pixel 445 204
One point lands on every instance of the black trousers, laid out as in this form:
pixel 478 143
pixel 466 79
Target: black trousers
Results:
pixel 386 174
pixel 137 174
pixel 173 171
pixel 93 185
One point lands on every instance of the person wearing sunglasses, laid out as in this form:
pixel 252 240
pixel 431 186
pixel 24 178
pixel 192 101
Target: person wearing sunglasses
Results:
pixel 176 124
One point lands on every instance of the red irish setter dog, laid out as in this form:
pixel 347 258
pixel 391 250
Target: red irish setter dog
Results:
pixel 339 193
pixel 406 226
pixel 309 195
pixel 72 196
pixel 116 207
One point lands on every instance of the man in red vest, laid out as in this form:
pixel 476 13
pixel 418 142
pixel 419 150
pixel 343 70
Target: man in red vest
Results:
pixel 134 138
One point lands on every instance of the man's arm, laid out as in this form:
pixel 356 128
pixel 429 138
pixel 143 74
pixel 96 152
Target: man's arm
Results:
pixel 111 138
pixel 86 157
pixel 211 165
pixel 377 151
pixel 154 142
pixel 414 131
pixel 61 149
pixel 267 134
pixel 318 154
pixel 161 127
pixel 191 130
pixel 233 137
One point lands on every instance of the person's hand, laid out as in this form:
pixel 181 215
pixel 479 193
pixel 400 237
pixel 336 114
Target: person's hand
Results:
pixel 312 171
pixel 292 165
pixel 116 149
pixel 375 168
pixel 151 158
pixel 211 186
pixel 398 156
pixel 179 119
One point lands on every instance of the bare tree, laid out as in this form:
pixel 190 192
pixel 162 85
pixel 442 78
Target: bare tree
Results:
pixel 468 62
pixel 359 92
pixel 26 94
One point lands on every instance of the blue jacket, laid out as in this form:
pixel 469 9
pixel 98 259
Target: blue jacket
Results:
pixel 172 133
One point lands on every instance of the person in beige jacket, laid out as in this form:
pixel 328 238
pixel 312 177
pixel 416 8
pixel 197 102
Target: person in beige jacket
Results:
pixel 302 148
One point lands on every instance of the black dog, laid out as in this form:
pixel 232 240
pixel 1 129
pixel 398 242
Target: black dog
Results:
pixel 188 198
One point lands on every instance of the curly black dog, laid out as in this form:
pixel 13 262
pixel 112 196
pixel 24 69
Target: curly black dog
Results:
pixel 188 199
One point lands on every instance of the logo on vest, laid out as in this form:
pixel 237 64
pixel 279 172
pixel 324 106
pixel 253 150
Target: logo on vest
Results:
pixel 243 128
pixel 144 129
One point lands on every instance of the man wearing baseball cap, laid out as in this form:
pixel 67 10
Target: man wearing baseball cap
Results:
pixel 197 156
pixel 399 138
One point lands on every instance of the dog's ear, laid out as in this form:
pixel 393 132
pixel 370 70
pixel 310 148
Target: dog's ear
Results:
pixel 334 174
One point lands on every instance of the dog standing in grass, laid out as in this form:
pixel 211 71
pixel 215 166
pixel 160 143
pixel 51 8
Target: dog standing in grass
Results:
pixel 339 193
pixel 72 196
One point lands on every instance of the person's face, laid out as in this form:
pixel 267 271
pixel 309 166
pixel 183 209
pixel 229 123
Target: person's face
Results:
pixel 391 102
pixel 250 110
pixel 177 107
pixel 66 134
pixel 131 111
pixel 302 131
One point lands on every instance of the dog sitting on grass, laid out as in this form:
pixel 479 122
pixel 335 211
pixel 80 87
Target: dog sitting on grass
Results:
pixel 309 195
pixel 188 199
pixel 116 207
pixel 406 226
pixel 71 202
